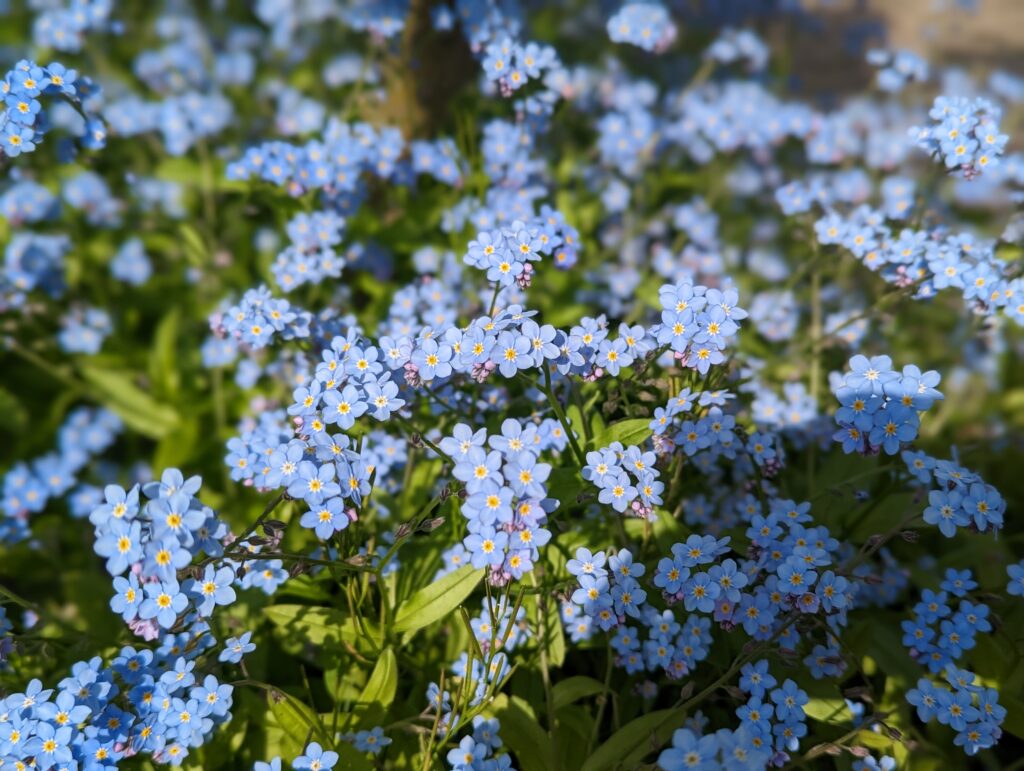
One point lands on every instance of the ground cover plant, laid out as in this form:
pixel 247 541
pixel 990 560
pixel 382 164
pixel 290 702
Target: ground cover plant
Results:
pixel 497 385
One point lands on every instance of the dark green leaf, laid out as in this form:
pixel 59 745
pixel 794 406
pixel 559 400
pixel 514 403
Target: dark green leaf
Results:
pixel 522 733
pixel 575 688
pixel 638 738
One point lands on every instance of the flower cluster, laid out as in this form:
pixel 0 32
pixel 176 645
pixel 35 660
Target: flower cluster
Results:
pixel 152 542
pixel 697 323
pixel 333 164
pixel 28 487
pixel 28 202
pixel 512 65
pixel 143 702
pixel 881 408
pixel 153 701
pixel 972 711
pixel 646 25
pixel 477 752
pixel 708 436
pixel 23 123
pixel 739 45
pixel 961 498
pixel 937 636
pixel 259 318
pixel 626 478
pixel 722 749
pixel 896 69
pixel 131 264
pixel 506 504
pixel 310 258
pixel 64 26
pixel 313 461
pixel 927 262
pixel 964 136
pixel 83 330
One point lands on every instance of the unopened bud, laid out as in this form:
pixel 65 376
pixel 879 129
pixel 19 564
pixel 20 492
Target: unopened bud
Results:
pixel 431 525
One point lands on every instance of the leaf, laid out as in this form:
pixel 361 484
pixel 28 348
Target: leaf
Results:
pixel 522 733
pixel 555 633
pixel 15 415
pixel 636 739
pixel 885 648
pixel 435 601
pixel 1014 721
pixel 875 741
pixel 343 683
pixel 373 703
pixel 303 587
pixel 175 449
pixel 565 485
pixel 195 249
pixel 576 421
pixel 892 510
pixel 163 364
pixel 295 718
pixel 832 711
pixel 319 626
pixel 116 390
pixel 574 727
pixel 575 688
pixel 632 431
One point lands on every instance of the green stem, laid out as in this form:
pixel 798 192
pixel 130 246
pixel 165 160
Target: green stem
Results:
pixel 560 414
pixel 413 432
pixel 545 674
pixel 604 699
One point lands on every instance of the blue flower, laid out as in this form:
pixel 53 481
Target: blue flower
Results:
pixel 214 588
pixel 1016 583
pixel 121 545
pixel 236 647
pixel 315 758
pixel 343 407
pixel 690 752
pixel 164 602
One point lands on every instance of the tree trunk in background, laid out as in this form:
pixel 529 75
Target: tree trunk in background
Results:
pixel 421 79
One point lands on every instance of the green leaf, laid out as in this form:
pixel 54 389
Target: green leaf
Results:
pixel 344 683
pixel 555 634
pixel 574 727
pixel 565 485
pixel 116 390
pixel 522 733
pixel 575 688
pixel 175 449
pixel 632 431
pixel 576 421
pixel 872 740
pixel 163 359
pixel 435 601
pixel 195 249
pixel 832 711
pixel 296 719
pixel 1014 722
pixel 319 626
pixel 373 703
pixel 639 737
